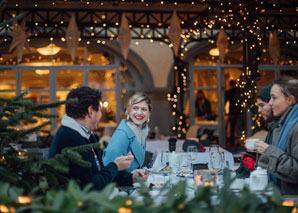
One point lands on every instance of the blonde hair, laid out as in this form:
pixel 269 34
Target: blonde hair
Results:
pixel 137 98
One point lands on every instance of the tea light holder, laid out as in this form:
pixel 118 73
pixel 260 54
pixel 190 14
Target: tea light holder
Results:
pixel 206 178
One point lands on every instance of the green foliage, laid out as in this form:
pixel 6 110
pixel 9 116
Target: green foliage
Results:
pixel 170 199
pixel 20 160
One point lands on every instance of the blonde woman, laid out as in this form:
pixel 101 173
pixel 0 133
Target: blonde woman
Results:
pixel 131 134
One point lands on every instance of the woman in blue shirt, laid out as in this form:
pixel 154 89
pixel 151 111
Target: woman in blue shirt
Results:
pixel 131 134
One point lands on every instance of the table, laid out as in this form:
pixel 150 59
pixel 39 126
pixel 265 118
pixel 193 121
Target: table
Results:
pixel 199 157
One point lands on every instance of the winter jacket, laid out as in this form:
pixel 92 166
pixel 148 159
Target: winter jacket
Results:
pixel 122 142
pixel 283 165
pixel 70 135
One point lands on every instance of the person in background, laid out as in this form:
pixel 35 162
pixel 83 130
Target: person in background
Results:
pixel 80 120
pixel 131 134
pixel 280 158
pixel 203 106
pixel 234 116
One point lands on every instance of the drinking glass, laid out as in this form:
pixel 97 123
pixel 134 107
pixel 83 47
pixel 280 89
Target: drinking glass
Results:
pixel 216 159
pixel 191 148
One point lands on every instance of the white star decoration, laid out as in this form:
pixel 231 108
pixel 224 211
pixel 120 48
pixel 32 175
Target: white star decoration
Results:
pixel 175 32
pixel 124 36
pixel 72 37
pixel 222 45
pixel 19 39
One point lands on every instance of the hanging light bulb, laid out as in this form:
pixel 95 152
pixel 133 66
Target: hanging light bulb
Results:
pixel 51 49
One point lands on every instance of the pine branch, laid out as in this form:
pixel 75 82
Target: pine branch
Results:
pixel 11 21
pixel 43 115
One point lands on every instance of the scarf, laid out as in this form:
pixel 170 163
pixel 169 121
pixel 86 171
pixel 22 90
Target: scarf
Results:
pixel 290 122
pixel 141 134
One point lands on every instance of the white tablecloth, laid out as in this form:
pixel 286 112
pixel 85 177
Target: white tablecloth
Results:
pixel 200 157
pixel 162 145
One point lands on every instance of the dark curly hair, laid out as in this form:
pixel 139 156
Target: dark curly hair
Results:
pixel 86 97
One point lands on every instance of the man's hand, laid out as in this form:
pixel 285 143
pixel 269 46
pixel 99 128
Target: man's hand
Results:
pixel 123 162
pixel 261 146
pixel 139 174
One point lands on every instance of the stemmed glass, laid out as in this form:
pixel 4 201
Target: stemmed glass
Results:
pixel 217 158
pixel 191 150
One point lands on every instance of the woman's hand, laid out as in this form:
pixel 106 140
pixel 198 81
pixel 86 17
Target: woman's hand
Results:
pixel 261 146
pixel 123 162
pixel 139 174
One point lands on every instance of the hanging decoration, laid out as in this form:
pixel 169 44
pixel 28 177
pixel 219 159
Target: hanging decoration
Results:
pixel 222 45
pixel 19 39
pixel 274 47
pixel 124 36
pixel 72 37
pixel 175 32
pixel 177 96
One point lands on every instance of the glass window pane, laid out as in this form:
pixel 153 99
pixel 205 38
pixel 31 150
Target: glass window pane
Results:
pixel 38 97
pixel 7 79
pixel 67 79
pixel 102 79
pixel 267 78
pixel 204 111
pixel 7 94
pixel 41 98
pixel 35 79
pixel 231 74
pixel 61 96
pixel 125 78
pixel 205 78
pixel 109 107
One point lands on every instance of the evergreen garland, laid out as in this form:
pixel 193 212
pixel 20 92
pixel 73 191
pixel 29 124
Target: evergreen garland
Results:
pixel 20 162
pixel 177 96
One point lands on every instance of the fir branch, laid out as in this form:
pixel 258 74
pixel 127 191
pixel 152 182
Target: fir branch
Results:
pixel 42 107
pixel 19 97
pixel 30 144
pixel 43 115
pixel 84 148
pixel 22 133
pixel 54 165
pixel 8 176
pixel 11 21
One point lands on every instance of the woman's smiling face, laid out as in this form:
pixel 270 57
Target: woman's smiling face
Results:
pixel 139 113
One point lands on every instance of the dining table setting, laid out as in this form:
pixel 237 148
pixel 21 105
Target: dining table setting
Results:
pixel 195 168
pixel 196 177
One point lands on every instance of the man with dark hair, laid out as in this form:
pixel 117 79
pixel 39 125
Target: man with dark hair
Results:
pixel 263 98
pixel 80 120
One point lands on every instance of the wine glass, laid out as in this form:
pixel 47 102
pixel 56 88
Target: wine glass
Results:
pixel 216 159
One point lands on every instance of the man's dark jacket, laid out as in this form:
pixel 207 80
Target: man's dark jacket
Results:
pixel 67 137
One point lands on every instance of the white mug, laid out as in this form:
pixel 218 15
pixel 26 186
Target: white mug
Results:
pixel 250 143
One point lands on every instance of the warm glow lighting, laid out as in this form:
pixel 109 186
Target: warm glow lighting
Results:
pixel 214 52
pixel 105 104
pixel 24 200
pixel 42 72
pixel 51 49
pixel 3 208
